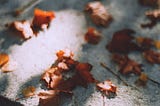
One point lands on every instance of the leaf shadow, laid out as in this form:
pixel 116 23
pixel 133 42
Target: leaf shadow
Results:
pixel 8 39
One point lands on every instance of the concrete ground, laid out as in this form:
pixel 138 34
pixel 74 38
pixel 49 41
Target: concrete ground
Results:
pixel 67 32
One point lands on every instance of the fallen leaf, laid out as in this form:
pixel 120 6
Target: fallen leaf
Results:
pixel 29 91
pixel 107 87
pixel 152 56
pixel 153 16
pixel 22 28
pixel 83 69
pixel 122 42
pixel 9 66
pixel 42 17
pixel 142 80
pixel 49 98
pixel 92 36
pixel 4 58
pixel 145 43
pixel 148 2
pixel 66 73
pixel 127 65
pixel 52 77
pixel 157 44
pixel 98 13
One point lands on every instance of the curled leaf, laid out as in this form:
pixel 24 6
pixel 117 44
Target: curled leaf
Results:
pixel 98 13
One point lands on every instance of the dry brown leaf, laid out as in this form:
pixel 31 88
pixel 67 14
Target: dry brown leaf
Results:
pixel 107 87
pixel 152 56
pixel 145 43
pixel 127 65
pixel 29 91
pixel 49 98
pixel 83 69
pixel 148 2
pixel 98 13
pixel 22 28
pixel 92 36
pixel 4 58
pixel 122 42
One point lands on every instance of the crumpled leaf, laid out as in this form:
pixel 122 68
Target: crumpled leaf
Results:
pixel 107 87
pixel 152 56
pixel 98 13
pixel 42 17
pixel 29 91
pixel 142 80
pixel 127 65
pixel 122 42
pixel 52 77
pixel 22 28
pixel 4 58
pixel 148 2
pixel 66 73
pixel 92 36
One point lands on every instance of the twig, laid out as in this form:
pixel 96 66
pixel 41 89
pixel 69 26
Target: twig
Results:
pixel 153 81
pixel 124 82
pixel 26 7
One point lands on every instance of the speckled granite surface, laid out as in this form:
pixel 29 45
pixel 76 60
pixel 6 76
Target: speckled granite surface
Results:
pixel 66 32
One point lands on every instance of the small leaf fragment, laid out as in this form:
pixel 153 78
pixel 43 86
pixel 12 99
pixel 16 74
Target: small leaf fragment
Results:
pixel 142 80
pixel 157 44
pixel 29 91
pixel 92 36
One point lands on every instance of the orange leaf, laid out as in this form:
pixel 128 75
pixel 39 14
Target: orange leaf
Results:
pixel 42 17
pixel 4 58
